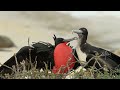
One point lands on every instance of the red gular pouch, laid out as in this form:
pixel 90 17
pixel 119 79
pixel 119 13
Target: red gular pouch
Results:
pixel 63 58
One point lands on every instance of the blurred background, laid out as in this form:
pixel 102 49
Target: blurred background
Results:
pixel 17 26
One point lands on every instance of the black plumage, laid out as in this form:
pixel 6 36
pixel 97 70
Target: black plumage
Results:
pixel 40 52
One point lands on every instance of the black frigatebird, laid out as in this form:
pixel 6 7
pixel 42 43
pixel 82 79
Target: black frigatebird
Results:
pixel 40 52
pixel 87 53
pixel 63 57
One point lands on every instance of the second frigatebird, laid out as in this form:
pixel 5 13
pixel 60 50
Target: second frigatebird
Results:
pixel 87 53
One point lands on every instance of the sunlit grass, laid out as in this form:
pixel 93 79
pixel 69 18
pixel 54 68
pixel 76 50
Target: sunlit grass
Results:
pixel 20 72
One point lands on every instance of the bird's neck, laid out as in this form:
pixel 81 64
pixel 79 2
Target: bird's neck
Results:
pixel 81 43
pixel 65 43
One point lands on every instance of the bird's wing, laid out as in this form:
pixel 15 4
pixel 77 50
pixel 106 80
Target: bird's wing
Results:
pixel 110 58
pixel 106 57
pixel 43 47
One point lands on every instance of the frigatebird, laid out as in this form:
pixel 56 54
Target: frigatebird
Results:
pixel 63 58
pixel 40 52
pixel 90 55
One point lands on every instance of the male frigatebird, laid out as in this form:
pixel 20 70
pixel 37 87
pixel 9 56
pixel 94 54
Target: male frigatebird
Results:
pixel 87 53
pixel 40 52
pixel 63 57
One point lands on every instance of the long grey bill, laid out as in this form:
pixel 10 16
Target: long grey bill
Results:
pixel 71 39
pixel 77 31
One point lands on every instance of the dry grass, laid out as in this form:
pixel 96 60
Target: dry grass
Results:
pixel 20 72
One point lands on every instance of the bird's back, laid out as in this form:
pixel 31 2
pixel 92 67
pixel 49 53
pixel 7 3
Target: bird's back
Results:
pixel 106 57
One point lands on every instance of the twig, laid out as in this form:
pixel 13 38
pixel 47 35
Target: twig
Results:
pixel 16 62
pixel 7 67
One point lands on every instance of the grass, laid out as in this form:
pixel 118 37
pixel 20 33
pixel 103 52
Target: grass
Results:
pixel 38 74
pixel 20 72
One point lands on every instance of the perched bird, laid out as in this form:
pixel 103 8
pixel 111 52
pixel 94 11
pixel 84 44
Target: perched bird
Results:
pixel 94 56
pixel 63 57
pixel 39 53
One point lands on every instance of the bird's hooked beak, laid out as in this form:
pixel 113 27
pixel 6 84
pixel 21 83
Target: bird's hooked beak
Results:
pixel 71 39
pixel 79 32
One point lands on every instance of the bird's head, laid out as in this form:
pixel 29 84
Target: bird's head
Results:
pixel 62 40
pixel 82 34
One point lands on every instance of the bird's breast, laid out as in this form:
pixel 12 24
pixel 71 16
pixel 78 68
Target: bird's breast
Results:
pixel 82 56
pixel 63 57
